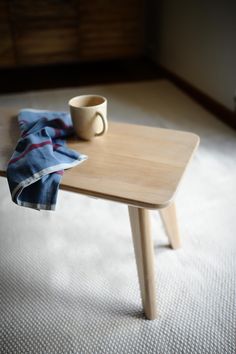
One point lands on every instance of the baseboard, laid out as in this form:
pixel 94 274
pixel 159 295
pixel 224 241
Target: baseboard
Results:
pixel 216 108
pixel 43 77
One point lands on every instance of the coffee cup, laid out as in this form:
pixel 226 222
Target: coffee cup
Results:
pixel 89 116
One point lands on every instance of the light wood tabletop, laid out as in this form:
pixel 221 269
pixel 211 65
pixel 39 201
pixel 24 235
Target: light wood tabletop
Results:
pixel 133 164
pixel 137 165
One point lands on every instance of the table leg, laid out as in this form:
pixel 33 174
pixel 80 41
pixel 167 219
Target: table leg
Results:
pixel 169 219
pixel 144 254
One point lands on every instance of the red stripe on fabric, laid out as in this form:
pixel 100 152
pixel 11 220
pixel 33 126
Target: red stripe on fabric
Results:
pixel 55 146
pixel 30 148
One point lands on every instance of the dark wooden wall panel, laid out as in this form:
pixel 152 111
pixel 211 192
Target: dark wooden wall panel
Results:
pixel 43 9
pixel 57 31
pixel 7 57
pixel 46 45
pixel 45 31
pixel 111 30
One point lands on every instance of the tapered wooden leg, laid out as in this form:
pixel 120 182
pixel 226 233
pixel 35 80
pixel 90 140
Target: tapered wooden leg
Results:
pixel 144 254
pixel 169 219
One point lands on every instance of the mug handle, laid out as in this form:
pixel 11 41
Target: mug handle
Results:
pixel 104 124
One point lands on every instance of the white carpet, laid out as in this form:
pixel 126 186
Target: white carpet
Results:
pixel 68 280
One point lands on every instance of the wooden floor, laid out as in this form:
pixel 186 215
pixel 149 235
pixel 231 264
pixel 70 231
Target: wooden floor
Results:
pixel 77 74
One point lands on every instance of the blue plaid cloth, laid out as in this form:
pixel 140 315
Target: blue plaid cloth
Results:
pixel 37 164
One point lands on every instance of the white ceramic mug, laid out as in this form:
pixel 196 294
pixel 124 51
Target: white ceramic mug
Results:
pixel 89 115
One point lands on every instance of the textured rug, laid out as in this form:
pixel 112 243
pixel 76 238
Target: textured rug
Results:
pixel 68 281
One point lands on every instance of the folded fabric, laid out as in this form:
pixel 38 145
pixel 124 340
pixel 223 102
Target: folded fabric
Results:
pixel 37 164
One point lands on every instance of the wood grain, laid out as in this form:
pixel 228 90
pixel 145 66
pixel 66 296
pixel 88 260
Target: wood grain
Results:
pixel 136 165
pixel 26 10
pixel 45 31
pixel 133 164
pixel 144 255
pixel 7 55
pixel 108 31
pixel 169 219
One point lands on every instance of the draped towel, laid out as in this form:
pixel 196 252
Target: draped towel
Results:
pixel 41 155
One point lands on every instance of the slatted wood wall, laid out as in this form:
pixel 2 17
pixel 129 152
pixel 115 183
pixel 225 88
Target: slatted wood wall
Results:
pixel 57 31
pixel 7 57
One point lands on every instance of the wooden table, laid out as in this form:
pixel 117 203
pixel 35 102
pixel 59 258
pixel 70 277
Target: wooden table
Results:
pixel 137 165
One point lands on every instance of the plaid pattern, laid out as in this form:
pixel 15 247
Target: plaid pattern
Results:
pixel 37 164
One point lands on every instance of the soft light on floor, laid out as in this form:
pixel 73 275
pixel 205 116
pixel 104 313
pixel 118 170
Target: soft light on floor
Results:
pixel 68 280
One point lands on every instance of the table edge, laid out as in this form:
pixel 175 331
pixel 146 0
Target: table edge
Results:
pixel 126 200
